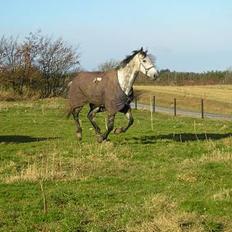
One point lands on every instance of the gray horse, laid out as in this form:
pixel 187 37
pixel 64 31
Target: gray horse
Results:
pixel 108 91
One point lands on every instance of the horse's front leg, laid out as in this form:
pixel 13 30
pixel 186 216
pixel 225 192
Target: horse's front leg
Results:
pixel 130 118
pixel 110 127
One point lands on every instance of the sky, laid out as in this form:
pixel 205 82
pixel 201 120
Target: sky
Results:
pixel 183 35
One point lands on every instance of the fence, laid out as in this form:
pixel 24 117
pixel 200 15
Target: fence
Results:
pixel 153 107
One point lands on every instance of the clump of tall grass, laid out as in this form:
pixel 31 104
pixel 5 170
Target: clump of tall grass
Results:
pixel 167 217
pixel 79 162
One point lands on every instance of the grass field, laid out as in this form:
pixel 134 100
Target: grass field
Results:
pixel 218 98
pixel 175 178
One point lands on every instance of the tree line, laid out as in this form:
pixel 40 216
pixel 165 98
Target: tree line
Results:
pixel 167 77
pixel 38 64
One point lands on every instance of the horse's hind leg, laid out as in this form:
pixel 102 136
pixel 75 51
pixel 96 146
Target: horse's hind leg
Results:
pixel 75 114
pixel 91 116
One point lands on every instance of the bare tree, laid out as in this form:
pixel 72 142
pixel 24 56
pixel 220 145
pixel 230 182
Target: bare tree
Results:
pixel 54 59
pixel 10 63
pixel 108 65
pixel 38 63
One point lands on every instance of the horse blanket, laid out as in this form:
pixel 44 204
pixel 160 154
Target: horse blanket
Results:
pixel 99 88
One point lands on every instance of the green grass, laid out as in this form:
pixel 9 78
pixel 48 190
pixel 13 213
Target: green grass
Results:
pixel 175 178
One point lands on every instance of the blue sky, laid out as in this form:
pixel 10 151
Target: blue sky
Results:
pixel 192 35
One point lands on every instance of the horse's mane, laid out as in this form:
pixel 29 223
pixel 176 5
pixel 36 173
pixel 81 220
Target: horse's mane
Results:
pixel 128 58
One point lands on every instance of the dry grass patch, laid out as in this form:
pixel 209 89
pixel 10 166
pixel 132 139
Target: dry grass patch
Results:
pixel 216 156
pixel 227 141
pixel 167 217
pixel 48 103
pixel 223 194
pixel 189 168
pixel 190 176
pixel 85 161
pixel 4 105
pixel 220 93
pixel 213 155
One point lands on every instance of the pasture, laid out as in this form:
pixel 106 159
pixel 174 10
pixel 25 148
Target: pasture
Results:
pixel 174 178
pixel 218 98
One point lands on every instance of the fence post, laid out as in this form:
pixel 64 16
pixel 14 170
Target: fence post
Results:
pixel 153 104
pixel 202 108
pixel 174 106
pixel 135 100
pixel 152 110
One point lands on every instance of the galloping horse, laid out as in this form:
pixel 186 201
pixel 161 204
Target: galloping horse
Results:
pixel 108 91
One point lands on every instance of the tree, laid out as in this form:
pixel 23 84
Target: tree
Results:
pixel 39 63
pixel 55 59
pixel 10 63
pixel 108 65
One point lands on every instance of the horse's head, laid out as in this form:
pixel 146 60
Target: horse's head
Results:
pixel 146 65
pixel 138 61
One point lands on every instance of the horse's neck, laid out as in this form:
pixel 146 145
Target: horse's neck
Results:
pixel 126 78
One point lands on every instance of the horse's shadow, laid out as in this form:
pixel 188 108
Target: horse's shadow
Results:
pixel 23 139
pixel 180 137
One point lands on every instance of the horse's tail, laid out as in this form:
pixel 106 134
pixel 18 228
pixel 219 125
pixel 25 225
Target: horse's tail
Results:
pixel 69 110
pixel 68 114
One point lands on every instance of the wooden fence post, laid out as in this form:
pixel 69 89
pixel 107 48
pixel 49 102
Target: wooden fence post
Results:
pixel 174 106
pixel 152 110
pixel 202 108
pixel 153 104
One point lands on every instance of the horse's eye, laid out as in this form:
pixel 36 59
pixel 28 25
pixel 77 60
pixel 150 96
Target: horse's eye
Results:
pixel 144 61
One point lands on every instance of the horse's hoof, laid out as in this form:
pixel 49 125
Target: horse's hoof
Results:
pixel 100 139
pixel 79 136
pixel 118 130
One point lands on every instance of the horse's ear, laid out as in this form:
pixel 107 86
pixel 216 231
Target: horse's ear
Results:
pixel 141 50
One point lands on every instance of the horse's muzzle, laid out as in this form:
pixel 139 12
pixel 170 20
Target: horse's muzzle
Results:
pixel 156 75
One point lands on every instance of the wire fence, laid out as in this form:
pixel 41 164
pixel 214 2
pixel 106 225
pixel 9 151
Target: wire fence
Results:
pixel 176 109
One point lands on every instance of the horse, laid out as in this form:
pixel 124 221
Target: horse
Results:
pixel 110 91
